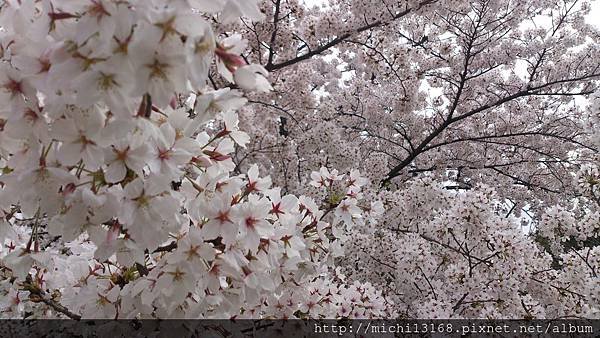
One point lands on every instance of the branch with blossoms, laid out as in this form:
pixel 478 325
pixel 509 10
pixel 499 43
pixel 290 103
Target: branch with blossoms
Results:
pixel 365 96
pixel 335 40
pixel 114 145
pixel 37 295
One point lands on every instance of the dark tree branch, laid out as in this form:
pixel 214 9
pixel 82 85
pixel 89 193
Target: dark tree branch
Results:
pixel 342 38
pixel 530 91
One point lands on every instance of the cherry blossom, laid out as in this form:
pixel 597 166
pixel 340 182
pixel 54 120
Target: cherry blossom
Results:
pixel 119 193
pixel 270 159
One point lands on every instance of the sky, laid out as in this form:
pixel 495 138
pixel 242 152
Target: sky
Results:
pixel 593 18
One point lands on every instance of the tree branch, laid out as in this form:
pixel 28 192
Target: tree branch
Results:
pixel 378 23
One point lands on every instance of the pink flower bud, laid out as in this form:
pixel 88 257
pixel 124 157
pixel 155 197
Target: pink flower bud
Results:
pixel 231 61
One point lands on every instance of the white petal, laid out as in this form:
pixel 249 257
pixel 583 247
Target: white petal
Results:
pixel 115 172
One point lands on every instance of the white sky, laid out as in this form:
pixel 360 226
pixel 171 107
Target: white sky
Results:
pixel 593 18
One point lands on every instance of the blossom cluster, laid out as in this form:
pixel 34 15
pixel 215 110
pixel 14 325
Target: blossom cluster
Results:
pixel 118 194
pixel 471 120
pixel 442 254
pixel 425 159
